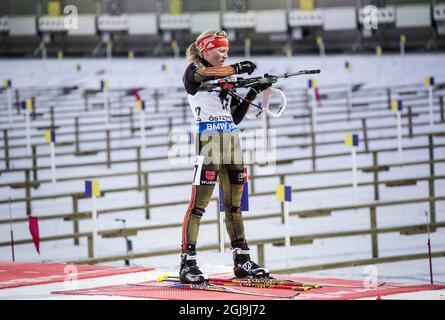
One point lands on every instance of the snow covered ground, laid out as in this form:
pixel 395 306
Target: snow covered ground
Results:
pixel 122 73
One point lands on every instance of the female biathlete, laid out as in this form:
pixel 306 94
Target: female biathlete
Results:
pixel 218 147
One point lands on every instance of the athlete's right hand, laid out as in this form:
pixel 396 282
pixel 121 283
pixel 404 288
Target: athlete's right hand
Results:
pixel 244 67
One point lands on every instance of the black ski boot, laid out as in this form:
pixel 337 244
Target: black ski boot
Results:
pixel 189 271
pixel 243 266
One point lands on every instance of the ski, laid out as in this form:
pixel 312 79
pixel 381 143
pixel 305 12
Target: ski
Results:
pixel 319 284
pixel 252 282
pixel 327 284
pixel 261 285
pixel 292 282
pixel 206 286
pixel 263 282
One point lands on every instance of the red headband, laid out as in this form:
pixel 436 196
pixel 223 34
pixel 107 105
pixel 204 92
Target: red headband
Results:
pixel 211 41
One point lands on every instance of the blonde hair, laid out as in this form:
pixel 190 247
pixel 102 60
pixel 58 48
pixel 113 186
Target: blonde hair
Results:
pixel 193 54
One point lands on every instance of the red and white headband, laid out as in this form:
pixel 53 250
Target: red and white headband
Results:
pixel 211 41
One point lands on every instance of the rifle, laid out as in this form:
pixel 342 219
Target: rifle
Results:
pixel 224 83
pixel 227 83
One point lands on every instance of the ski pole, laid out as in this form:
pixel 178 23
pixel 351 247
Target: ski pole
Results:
pixel 429 247
pixel 127 241
pixel 11 231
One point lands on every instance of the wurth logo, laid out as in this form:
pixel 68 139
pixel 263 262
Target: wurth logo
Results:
pixel 210 175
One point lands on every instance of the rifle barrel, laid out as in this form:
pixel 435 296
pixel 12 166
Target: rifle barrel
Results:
pixel 291 74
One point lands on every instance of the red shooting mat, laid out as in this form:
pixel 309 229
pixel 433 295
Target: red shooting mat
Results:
pixel 18 274
pixel 355 290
